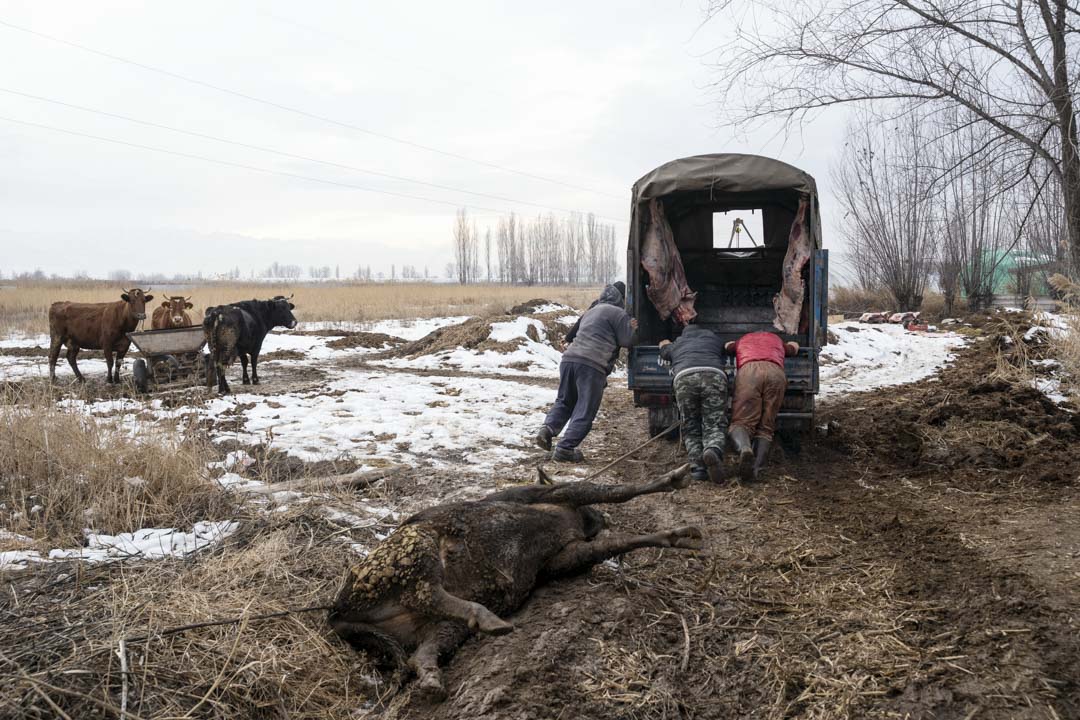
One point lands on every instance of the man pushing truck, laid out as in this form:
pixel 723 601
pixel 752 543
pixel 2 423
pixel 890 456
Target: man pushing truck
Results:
pixel 760 384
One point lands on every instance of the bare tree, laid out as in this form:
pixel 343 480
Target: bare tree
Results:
pixel 474 253
pixel 487 252
pixel 948 266
pixel 1044 235
pixel 1010 64
pixel 463 242
pixel 593 240
pixel 884 187
pixel 982 207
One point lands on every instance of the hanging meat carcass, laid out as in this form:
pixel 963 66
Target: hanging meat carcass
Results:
pixel 667 289
pixel 789 301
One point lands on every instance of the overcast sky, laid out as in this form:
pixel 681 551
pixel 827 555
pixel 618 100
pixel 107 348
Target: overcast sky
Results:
pixel 592 95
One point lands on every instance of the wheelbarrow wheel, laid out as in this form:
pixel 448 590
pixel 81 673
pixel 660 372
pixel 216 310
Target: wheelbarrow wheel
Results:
pixel 140 375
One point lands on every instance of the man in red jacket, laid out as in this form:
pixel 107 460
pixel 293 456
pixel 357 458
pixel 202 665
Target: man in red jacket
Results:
pixel 760 384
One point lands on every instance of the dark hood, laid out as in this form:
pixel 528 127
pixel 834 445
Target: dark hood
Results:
pixel 611 296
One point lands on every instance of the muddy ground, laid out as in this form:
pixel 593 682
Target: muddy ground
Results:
pixel 868 577
pixel 919 559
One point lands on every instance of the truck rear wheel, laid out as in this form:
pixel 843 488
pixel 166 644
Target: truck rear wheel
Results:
pixel 660 418
pixel 791 441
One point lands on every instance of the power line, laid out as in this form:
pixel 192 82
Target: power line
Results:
pixel 229 163
pixel 294 156
pixel 304 113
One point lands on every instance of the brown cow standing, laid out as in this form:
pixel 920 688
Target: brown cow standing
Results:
pixel 170 314
pixel 96 326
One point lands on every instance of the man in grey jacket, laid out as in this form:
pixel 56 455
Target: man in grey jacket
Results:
pixel 697 362
pixel 595 341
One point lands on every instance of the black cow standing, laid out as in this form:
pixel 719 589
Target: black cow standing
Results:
pixel 239 330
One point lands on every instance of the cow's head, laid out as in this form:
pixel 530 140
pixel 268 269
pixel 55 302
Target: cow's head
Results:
pixel 281 315
pixel 136 300
pixel 176 305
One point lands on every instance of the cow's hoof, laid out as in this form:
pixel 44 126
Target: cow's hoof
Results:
pixel 688 538
pixel 491 624
pixel 431 689
pixel 680 478
pixel 255 381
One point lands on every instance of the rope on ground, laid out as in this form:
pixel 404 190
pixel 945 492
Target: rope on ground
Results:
pixel 625 455
pixel 228 621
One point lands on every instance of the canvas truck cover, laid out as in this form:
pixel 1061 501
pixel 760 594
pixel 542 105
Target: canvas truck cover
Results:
pixel 720 178
pixel 722 173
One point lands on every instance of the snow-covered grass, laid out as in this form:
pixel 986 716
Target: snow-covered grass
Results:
pixel 409 329
pixel 533 358
pixel 373 417
pixel 391 412
pixel 870 356
pixel 146 543
pixel 1064 337
pixel 23 340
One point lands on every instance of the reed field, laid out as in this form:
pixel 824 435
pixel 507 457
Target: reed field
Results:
pixel 24 307
pixel 64 471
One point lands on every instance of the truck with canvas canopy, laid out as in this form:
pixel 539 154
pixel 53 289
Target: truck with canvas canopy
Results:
pixel 732 242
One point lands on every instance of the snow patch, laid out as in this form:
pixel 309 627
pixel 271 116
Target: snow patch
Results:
pixel 871 356
pixel 148 543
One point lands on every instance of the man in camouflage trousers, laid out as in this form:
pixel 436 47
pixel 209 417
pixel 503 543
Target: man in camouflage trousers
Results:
pixel 697 362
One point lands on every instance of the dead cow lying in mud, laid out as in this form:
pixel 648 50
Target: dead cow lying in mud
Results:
pixel 454 569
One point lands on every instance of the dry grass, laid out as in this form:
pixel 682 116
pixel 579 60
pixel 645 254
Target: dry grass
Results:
pixel 62 471
pixel 851 301
pixel 24 307
pixel 854 301
pixel 70 664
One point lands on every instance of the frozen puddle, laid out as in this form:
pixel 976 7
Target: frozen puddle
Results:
pixel 871 356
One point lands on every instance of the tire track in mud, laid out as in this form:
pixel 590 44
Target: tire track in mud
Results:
pixel 838 587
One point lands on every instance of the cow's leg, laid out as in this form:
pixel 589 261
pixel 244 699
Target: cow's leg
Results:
pixel 54 355
pixel 371 639
pixel 580 554
pixel 431 598
pixel 221 366
pixel 443 639
pixel 577 494
pixel 243 364
pixel 255 366
pixel 121 350
pixel 107 349
pixel 72 356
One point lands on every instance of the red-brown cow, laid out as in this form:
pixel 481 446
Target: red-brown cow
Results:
pixel 170 314
pixel 96 326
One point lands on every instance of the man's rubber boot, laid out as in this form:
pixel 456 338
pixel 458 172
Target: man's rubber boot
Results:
pixel 761 451
pixel 714 464
pixel 741 439
pixel 567 456
pixel 543 438
pixel 698 473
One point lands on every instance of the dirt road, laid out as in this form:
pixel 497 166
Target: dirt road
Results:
pixel 876 575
